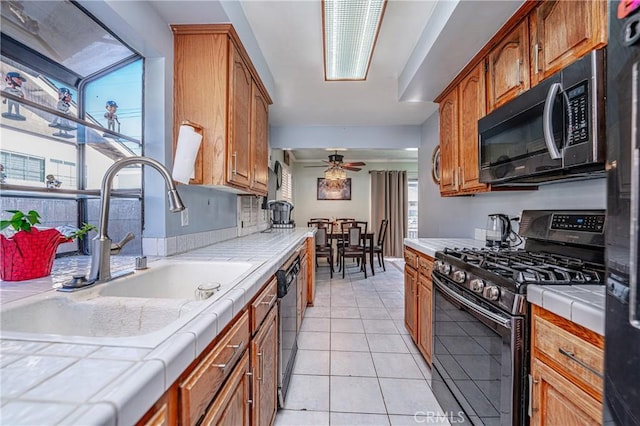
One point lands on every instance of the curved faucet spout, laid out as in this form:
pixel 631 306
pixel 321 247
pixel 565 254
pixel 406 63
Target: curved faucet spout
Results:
pixel 101 255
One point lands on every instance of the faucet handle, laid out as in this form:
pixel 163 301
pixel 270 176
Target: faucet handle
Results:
pixel 116 247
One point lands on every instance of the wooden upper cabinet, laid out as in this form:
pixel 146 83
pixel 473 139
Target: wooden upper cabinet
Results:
pixel 239 144
pixel 508 67
pixel 259 140
pixel 563 31
pixel 449 143
pixel 217 87
pixel 472 108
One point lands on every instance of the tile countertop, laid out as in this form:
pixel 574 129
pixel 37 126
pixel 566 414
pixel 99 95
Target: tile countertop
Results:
pixel 430 246
pixel 582 304
pixel 49 381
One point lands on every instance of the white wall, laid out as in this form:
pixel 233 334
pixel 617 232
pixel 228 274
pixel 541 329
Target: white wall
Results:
pixel 307 206
pixel 458 216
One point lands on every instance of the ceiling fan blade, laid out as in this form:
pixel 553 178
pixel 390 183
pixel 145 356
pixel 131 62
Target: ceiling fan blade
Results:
pixel 324 165
pixel 353 169
pixel 356 164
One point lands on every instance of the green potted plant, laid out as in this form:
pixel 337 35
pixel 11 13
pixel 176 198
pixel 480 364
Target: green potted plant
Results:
pixel 29 253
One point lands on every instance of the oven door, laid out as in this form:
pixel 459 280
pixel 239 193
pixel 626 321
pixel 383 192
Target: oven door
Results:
pixel 479 358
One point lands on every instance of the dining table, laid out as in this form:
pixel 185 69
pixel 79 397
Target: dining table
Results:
pixel 367 240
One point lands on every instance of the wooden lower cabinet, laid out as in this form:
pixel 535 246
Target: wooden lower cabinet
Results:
pixel 264 362
pixel 231 406
pixel 558 401
pixel 303 288
pixel 411 301
pixel 566 372
pixel 425 326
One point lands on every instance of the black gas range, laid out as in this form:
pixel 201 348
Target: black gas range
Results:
pixel 481 324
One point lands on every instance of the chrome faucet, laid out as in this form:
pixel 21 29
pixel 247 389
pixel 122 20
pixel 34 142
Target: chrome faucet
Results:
pixel 102 246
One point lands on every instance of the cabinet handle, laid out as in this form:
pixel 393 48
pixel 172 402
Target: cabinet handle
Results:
pixel 273 299
pixel 518 63
pixel 261 366
pixel 536 55
pixel 532 382
pixel 460 176
pixel 233 355
pixel 580 362
pixel 235 162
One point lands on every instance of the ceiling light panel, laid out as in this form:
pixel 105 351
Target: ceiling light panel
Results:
pixel 350 31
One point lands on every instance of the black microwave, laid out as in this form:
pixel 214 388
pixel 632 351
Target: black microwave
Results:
pixel 553 131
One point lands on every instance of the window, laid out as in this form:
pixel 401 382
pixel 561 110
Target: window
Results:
pixel 286 190
pixel 412 193
pixel 22 168
pixel 72 105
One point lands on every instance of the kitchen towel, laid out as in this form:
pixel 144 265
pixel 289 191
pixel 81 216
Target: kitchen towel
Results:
pixel 187 150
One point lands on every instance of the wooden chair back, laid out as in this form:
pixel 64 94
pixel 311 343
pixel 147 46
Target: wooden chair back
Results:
pixel 382 233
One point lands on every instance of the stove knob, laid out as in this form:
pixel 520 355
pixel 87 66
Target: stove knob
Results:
pixel 444 268
pixel 492 293
pixel 459 276
pixel 477 285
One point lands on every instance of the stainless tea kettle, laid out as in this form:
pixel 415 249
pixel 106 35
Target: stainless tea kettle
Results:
pixel 498 230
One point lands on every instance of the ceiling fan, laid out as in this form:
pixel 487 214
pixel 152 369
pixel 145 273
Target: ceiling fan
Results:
pixel 335 162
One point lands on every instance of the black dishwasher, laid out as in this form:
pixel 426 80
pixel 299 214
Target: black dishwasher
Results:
pixel 287 331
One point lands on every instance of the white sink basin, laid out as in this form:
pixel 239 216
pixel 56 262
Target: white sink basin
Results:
pixel 138 310
pixel 94 317
pixel 177 280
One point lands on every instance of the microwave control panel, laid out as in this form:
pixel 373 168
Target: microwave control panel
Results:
pixel 578 114
pixel 578 222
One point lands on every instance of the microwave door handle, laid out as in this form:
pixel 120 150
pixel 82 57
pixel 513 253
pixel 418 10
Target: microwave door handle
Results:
pixel 634 217
pixel 547 126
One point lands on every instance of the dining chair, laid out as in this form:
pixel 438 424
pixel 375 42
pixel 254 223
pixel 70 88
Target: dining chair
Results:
pixel 320 219
pixel 317 224
pixel 324 249
pixel 353 246
pixel 379 247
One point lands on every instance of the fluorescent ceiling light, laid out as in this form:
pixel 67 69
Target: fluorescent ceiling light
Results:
pixel 350 32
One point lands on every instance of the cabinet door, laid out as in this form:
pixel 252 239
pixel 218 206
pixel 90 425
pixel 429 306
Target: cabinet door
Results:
pixel 264 362
pixel 508 67
pixel 303 289
pixel 259 140
pixel 231 406
pixel 425 332
pixel 449 143
pixel 563 31
pixel 410 301
pixel 557 401
pixel 472 108
pixel 239 144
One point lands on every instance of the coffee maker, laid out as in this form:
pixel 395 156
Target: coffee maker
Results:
pixel 281 213
pixel 498 230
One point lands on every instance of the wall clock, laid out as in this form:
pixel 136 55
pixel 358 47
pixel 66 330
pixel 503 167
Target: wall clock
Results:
pixel 277 168
pixel 435 165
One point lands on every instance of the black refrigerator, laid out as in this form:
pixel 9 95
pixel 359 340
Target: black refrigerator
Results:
pixel 622 329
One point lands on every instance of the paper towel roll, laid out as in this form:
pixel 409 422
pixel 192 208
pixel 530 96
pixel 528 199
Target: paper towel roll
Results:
pixel 187 150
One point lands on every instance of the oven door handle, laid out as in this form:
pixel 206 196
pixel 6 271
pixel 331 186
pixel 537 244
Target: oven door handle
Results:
pixel 505 322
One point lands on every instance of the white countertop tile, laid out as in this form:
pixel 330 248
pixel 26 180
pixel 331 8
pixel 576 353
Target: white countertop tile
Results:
pixel 582 304
pixel 26 373
pixel 135 391
pixel 430 246
pixel 66 386
pixel 79 369
pixel 30 413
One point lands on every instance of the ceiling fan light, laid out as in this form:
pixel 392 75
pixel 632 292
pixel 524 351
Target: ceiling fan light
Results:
pixel 350 33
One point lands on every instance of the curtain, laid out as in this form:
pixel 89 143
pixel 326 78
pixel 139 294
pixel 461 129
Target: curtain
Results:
pixel 389 200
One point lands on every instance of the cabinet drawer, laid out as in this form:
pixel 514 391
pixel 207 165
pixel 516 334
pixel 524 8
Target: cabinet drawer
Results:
pixel 411 258
pixel 575 356
pixel 425 266
pixel 263 303
pixel 199 388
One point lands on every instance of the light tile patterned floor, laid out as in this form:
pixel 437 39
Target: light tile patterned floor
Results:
pixel 356 364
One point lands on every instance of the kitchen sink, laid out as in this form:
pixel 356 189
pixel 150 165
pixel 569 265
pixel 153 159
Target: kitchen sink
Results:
pixel 179 280
pixel 139 310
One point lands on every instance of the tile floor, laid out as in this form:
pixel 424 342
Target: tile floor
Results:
pixel 356 363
